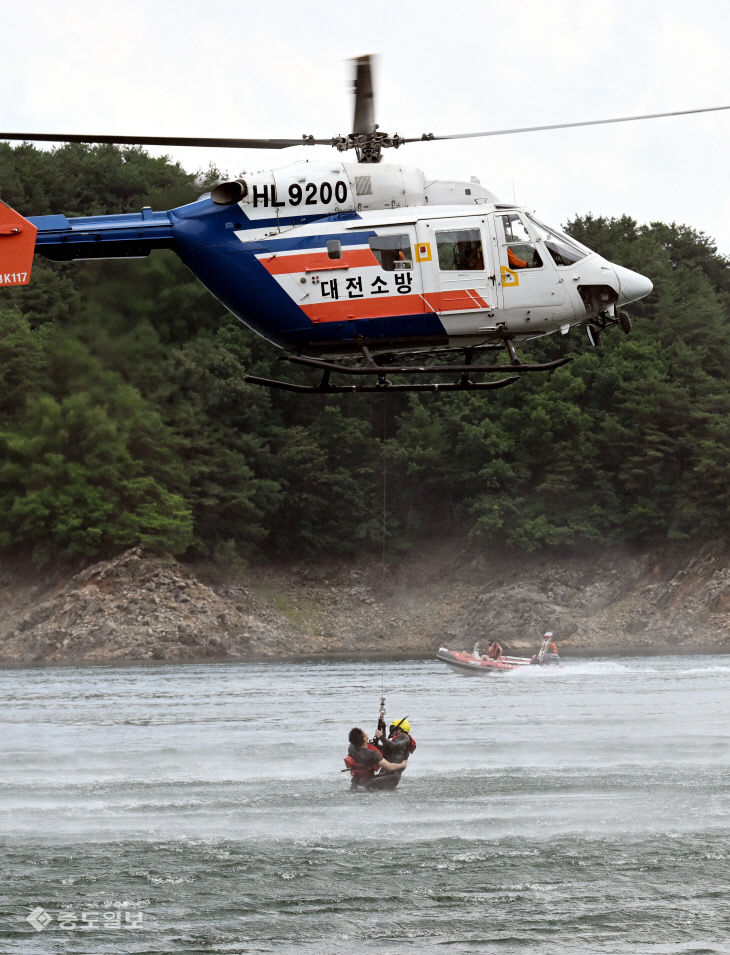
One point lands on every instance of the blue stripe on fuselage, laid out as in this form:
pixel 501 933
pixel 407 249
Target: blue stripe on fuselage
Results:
pixel 206 240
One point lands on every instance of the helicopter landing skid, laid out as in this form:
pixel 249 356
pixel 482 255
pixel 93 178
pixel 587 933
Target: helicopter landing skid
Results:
pixel 368 367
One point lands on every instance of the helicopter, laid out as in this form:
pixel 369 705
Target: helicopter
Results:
pixel 365 270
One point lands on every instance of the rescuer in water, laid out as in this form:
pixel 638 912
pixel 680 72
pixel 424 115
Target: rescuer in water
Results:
pixel 400 744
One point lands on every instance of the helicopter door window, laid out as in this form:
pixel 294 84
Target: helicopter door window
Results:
pixel 393 252
pixel 460 250
pixel 563 250
pixel 521 251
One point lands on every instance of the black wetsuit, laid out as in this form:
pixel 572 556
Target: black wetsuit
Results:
pixel 397 748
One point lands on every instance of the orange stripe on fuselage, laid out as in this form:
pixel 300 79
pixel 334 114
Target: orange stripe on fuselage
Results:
pixel 478 299
pixel 380 306
pixel 455 300
pixel 314 261
pixel 385 306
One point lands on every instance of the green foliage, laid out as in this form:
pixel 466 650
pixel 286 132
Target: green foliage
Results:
pixel 80 180
pixel 80 476
pixel 22 362
pixel 223 446
pixel 124 417
pixel 328 475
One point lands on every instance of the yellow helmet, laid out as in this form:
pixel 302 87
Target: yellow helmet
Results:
pixel 401 725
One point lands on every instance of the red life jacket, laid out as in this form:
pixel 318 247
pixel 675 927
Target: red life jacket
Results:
pixel 360 770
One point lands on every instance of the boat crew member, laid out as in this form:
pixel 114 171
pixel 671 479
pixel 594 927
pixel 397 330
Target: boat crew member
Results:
pixel 364 759
pixel 494 652
pixel 548 652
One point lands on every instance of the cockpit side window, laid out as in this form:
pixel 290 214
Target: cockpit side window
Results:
pixel 564 251
pixel 460 250
pixel 521 251
pixel 393 252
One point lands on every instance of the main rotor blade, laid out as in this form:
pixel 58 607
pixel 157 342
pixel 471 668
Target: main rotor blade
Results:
pixel 427 137
pixel 364 117
pixel 305 140
pixel 210 141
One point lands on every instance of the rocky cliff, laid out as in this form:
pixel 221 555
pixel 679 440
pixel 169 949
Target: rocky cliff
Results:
pixel 141 607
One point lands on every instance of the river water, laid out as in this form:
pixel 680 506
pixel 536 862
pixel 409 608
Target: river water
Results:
pixel 584 809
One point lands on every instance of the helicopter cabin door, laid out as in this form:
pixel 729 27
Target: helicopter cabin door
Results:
pixel 532 289
pixel 459 281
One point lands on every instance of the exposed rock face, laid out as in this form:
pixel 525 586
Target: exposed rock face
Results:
pixel 139 608
pixel 631 603
pixel 144 608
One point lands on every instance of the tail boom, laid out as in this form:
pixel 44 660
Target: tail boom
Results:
pixel 130 235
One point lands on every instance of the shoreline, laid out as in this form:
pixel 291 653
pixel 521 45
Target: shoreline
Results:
pixel 344 657
pixel 141 608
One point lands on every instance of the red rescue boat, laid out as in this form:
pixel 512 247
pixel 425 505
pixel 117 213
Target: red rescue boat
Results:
pixel 484 664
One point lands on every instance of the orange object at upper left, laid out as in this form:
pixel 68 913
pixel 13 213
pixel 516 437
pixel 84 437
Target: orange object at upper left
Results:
pixel 17 244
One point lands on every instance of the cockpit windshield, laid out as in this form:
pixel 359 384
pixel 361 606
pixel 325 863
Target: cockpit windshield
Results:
pixel 564 251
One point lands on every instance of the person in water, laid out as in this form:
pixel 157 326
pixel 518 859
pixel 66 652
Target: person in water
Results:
pixel 364 759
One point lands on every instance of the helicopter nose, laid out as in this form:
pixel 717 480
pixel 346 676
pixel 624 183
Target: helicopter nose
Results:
pixel 632 285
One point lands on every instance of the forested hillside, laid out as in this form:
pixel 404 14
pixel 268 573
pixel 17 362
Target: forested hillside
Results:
pixel 124 418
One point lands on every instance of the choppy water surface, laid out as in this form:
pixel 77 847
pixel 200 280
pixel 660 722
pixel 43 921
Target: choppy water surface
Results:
pixel 202 809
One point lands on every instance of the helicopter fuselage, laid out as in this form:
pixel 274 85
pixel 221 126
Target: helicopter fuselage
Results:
pixel 325 258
